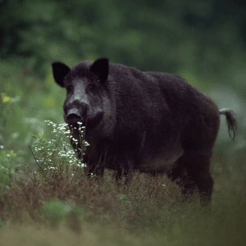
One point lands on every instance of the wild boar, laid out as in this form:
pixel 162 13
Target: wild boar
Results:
pixel 152 122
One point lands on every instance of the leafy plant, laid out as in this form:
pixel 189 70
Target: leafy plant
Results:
pixel 8 167
pixel 55 211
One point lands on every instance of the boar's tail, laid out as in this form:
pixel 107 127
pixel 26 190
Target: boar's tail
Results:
pixel 231 121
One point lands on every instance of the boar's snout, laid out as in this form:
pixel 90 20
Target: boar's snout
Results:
pixel 73 116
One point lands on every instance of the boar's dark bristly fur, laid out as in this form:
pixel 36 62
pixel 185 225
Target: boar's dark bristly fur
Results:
pixel 147 121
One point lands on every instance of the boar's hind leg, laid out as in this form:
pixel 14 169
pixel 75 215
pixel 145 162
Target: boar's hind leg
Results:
pixel 180 177
pixel 198 169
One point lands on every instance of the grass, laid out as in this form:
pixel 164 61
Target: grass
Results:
pixel 59 209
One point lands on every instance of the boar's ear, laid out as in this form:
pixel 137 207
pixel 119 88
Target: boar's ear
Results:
pixel 60 70
pixel 100 68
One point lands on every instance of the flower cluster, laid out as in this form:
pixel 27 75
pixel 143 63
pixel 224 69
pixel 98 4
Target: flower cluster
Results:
pixel 53 151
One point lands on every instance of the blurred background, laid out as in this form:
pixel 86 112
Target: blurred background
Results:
pixel 204 41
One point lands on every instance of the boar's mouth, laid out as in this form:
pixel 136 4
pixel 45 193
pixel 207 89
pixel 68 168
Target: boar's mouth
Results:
pixel 73 117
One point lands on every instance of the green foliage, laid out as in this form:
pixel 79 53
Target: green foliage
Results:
pixel 25 103
pixel 152 35
pixel 8 110
pixel 8 165
pixel 55 211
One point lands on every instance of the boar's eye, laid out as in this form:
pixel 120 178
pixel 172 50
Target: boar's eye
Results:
pixel 69 88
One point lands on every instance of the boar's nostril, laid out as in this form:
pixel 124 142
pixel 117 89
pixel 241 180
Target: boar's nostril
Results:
pixel 73 117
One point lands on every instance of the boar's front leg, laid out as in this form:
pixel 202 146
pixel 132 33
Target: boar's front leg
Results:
pixel 93 169
pixel 124 166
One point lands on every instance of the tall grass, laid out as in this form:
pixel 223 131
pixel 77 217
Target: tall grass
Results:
pixel 149 211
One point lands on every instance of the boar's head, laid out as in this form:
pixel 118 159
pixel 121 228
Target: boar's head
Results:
pixel 85 88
